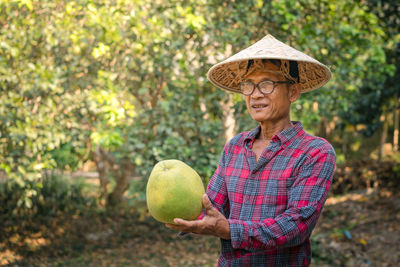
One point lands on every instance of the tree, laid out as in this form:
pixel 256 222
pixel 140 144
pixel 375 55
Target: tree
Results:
pixel 123 82
pixel 387 12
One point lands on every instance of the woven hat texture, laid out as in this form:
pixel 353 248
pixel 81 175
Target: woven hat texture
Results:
pixel 229 73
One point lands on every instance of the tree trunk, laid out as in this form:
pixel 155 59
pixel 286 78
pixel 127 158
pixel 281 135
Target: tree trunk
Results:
pixel 228 118
pixel 384 134
pixel 344 143
pixel 100 159
pixel 322 132
pixel 396 125
pixel 121 175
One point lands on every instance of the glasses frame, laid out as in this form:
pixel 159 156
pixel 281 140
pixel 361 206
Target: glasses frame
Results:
pixel 274 84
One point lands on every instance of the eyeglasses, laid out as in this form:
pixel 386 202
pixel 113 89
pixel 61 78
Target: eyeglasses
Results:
pixel 265 87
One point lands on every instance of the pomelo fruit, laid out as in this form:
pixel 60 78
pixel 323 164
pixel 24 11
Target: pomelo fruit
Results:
pixel 174 190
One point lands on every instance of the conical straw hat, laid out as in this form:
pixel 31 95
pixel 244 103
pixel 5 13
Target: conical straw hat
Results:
pixel 229 73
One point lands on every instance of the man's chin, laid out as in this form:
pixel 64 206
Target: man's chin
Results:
pixel 260 119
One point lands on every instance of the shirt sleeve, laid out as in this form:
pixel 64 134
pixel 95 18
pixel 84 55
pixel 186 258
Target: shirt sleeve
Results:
pixel 306 198
pixel 216 189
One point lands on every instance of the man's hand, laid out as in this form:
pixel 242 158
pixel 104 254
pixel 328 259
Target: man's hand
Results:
pixel 213 223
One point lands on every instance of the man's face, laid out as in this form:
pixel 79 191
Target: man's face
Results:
pixel 272 107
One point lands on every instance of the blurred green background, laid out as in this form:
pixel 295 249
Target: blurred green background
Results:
pixel 94 93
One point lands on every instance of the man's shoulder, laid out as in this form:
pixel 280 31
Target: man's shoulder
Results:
pixel 239 139
pixel 313 142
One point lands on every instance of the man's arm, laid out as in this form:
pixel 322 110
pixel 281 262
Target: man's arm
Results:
pixel 306 199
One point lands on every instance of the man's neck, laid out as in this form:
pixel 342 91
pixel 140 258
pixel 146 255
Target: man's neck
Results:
pixel 269 129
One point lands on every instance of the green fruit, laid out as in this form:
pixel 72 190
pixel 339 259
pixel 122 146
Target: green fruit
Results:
pixel 174 190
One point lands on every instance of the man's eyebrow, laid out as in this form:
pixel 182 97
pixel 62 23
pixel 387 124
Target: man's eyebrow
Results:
pixel 263 80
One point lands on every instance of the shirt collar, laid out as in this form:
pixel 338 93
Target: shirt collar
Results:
pixel 283 137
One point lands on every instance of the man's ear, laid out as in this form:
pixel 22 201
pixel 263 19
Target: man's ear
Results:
pixel 294 92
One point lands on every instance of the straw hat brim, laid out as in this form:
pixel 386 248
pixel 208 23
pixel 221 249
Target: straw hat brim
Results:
pixel 229 73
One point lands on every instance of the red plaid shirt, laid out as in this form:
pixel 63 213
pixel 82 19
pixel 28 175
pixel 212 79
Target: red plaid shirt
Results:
pixel 272 204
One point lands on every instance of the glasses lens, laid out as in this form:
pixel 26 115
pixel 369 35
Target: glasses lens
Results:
pixel 246 88
pixel 266 87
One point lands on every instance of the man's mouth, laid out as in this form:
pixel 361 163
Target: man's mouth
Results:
pixel 256 106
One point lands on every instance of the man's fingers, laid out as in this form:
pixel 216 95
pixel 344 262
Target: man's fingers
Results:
pixel 186 224
pixel 178 224
pixel 207 203
pixel 180 221
pixel 183 225
pixel 172 226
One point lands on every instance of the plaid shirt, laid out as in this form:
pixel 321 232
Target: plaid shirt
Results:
pixel 272 204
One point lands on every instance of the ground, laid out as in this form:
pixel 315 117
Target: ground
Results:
pixel 357 229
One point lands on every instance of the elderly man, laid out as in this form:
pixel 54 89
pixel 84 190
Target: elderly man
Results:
pixel 268 191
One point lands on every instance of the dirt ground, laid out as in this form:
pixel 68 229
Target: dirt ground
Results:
pixel 358 229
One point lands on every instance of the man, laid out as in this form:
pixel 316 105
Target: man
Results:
pixel 268 191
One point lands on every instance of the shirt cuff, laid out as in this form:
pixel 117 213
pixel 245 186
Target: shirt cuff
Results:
pixel 239 231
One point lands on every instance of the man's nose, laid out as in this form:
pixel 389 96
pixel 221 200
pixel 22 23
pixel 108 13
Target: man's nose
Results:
pixel 257 93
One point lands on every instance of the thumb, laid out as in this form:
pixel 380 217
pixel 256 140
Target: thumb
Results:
pixel 207 203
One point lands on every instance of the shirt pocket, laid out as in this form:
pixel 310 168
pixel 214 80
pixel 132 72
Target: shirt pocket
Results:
pixel 275 198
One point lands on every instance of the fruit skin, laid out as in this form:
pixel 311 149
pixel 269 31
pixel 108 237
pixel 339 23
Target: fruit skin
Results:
pixel 174 190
